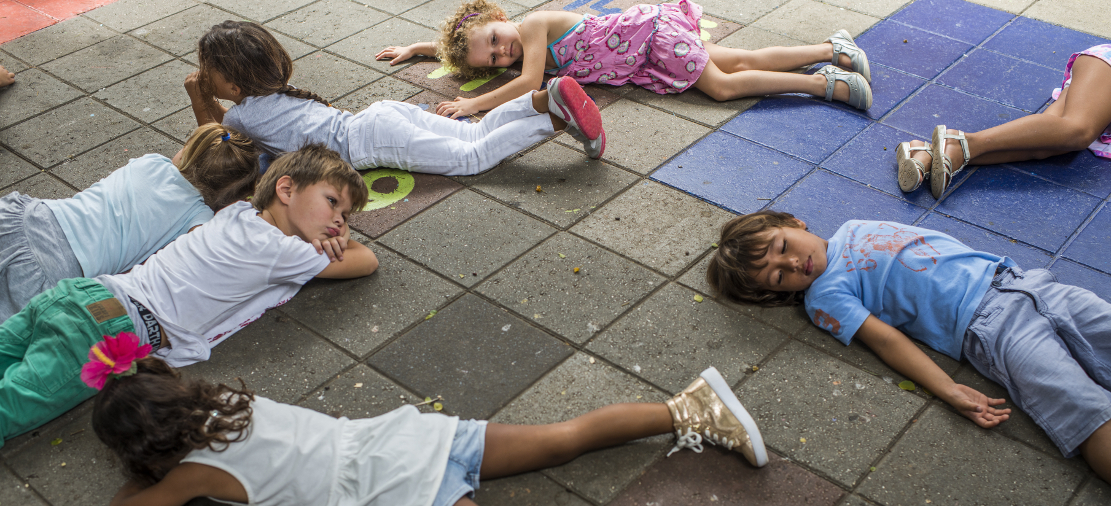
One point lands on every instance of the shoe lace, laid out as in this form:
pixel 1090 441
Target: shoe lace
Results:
pixel 690 439
pixel 718 440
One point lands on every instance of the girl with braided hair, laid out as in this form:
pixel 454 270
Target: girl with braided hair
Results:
pixel 242 62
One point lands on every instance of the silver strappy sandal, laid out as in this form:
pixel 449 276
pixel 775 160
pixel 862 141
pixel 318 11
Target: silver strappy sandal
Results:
pixel 941 171
pixel 843 44
pixel 911 171
pixel 860 94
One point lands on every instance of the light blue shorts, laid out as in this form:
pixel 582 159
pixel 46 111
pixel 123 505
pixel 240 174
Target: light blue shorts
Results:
pixel 1049 344
pixel 463 463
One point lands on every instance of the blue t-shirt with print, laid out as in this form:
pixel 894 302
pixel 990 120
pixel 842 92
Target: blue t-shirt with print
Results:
pixel 922 282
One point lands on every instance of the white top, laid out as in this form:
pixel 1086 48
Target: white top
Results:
pixel 124 218
pixel 278 123
pixel 295 456
pixel 215 280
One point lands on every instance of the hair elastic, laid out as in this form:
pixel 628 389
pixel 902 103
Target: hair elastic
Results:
pixel 468 16
pixel 226 137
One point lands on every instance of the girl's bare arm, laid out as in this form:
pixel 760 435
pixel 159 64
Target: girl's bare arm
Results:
pixel 181 485
pixel 398 54
pixel 205 109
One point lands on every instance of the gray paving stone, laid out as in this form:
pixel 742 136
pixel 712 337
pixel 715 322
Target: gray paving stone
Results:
pixel 629 125
pixel 178 125
pixel 362 46
pixel 532 489
pixel 152 95
pixel 360 314
pixel 32 93
pixel 655 225
pixel 294 47
pixel 1012 6
pixel 42 186
pixel 106 62
pixel 276 358
pixel 386 88
pixel 392 7
pixel 16 492
pixel 331 76
pixel 15 169
pixel 477 356
pixel 542 286
pixel 752 38
pixel 12 64
pixel 859 355
pixel 57 40
pixel 454 237
pixel 78 471
pixel 78 126
pixel 1094 20
pixel 694 105
pixel 572 389
pixel 741 11
pixel 942 459
pixel 573 185
pixel 791 320
pixel 824 413
pixel 124 15
pixel 854 500
pixel 670 338
pixel 1094 492
pixel 327 21
pixel 361 393
pixel 260 11
pixel 179 32
pixel 812 22
pixel 97 164
pixel 878 8
pixel 433 13
pixel 1019 426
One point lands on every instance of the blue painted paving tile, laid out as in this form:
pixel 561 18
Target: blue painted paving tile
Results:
pixel 922 54
pixel 1092 247
pixel 1042 43
pixel 1080 170
pixel 732 172
pixel 870 159
pixel 1003 79
pixel 825 201
pixel 1071 273
pixel 963 21
pixel 1020 206
pixel 1027 257
pixel 802 127
pixel 938 105
pixel 889 88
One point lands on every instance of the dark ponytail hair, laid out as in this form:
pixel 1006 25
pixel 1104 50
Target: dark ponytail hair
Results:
pixel 248 56
pixel 153 418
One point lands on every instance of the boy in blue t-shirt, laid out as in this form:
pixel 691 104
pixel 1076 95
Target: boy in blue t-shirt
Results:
pixel 1049 344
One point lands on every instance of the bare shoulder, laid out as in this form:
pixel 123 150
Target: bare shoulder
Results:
pixel 213 481
pixel 552 23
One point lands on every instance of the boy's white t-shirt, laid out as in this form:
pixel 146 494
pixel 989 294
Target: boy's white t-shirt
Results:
pixel 208 284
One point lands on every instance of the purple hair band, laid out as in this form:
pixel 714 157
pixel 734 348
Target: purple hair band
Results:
pixel 468 16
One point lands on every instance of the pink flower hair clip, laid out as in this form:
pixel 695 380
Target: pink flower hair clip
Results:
pixel 113 357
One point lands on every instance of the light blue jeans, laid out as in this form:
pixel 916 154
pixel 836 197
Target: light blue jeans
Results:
pixel 463 463
pixel 1049 344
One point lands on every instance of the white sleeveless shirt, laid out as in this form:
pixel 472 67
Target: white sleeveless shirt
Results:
pixel 295 456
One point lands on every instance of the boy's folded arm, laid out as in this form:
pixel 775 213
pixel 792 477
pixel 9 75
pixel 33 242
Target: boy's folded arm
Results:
pixel 358 260
pixel 899 352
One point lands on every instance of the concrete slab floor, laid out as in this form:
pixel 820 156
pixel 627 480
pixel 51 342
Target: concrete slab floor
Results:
pixel 639 321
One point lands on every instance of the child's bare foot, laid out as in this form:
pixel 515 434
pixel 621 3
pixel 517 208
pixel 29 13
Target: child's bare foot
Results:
pixel 6 77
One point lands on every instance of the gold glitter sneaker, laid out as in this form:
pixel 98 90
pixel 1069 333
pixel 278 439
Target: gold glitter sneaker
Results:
pixel 708 410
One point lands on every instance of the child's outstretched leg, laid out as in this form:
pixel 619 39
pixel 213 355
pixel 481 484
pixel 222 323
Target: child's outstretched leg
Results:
pixel 6 77
pixel 705 410
pixel 783 59
pixel 1078 117
pixel 848 87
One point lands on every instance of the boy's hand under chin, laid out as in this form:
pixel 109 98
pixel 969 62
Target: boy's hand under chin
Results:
pixel 334 246
pixel 977 407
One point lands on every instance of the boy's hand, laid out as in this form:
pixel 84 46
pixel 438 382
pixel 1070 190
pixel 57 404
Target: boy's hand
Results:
pixel 396 54
pixel 333 247
pixel 977 406
pixel 458 107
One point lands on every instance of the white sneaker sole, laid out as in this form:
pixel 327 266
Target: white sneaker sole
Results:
pixel 717 382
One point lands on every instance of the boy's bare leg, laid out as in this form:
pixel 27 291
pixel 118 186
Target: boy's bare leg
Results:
pixel 6 77
pixel 1096 450
pixel 540 103
pixel 515 449
pixel 1070 124
pixel 777 58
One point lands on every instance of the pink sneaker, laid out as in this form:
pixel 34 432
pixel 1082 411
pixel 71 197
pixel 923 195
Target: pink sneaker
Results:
pixel 567 100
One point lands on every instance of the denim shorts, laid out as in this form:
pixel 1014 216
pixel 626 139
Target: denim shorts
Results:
pixel 1049 344
pixel 463 463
